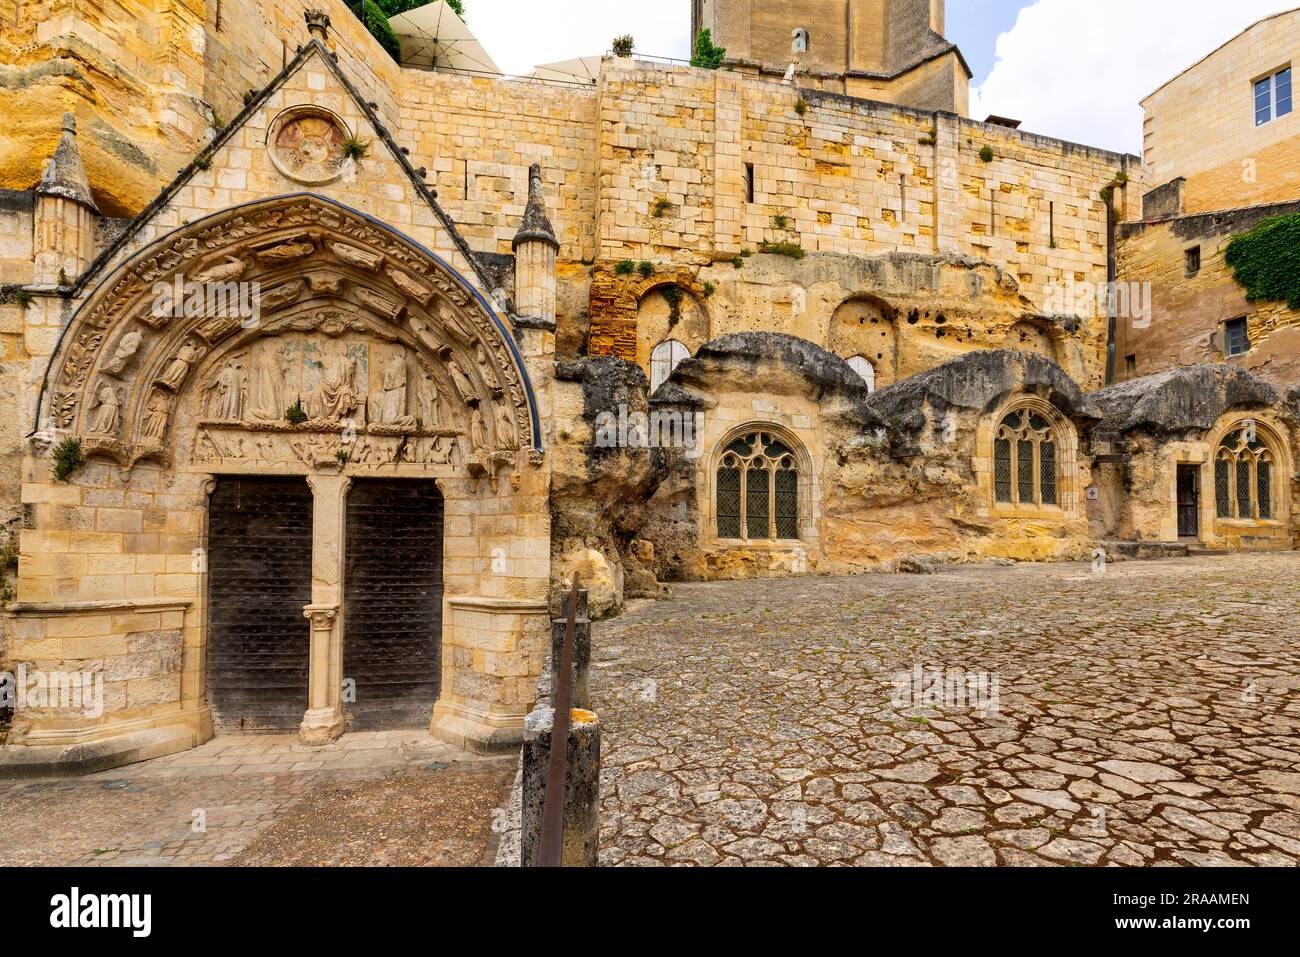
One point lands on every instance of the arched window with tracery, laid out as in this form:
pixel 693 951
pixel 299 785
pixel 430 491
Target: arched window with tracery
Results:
pixel 664 358
pixel 1244 473
pixel 758 489
pixel 1026 461
pixel 863 367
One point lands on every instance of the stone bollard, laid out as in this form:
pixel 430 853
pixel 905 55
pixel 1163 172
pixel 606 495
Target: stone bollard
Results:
pixel 581 787
pixel 581 650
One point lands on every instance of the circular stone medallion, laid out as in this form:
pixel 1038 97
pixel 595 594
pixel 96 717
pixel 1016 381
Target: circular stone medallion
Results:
pixel 306 144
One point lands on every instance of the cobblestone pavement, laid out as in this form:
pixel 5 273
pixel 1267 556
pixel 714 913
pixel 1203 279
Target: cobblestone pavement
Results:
pixel 393 797
pixel 1145 715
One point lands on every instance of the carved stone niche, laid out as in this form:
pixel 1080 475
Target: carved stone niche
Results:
pixel 306 144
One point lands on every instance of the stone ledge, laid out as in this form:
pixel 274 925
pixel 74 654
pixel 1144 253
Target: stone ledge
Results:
pixel 46 609
pixel 500 605
pixel 40 761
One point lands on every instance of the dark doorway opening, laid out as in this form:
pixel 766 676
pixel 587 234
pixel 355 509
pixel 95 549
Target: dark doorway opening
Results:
pixel 392 636
pixel 259 580
pixel 1189 501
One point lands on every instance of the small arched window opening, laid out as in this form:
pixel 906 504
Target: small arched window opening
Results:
pixel 1026 461
pixel 863 367
pixel 798 40
pixel 664 358
pixel 1244 472
pixel 758 490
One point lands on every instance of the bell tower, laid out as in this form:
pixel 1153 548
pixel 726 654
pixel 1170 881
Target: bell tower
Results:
pixel 890 50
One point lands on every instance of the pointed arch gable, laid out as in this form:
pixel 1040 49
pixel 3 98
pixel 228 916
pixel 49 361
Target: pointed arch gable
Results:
pixel 123 363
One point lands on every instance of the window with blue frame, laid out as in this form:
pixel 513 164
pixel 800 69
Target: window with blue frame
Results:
pixel 1273 97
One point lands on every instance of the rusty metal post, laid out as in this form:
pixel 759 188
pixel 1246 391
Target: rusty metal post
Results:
pixel 552 849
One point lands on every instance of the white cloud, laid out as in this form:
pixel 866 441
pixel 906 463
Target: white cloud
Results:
pixel 519 34
pixel 1076 69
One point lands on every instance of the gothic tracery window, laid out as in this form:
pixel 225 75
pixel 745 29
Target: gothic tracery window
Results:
pixel 1243 476
pixel 1025 461
pixel 758 489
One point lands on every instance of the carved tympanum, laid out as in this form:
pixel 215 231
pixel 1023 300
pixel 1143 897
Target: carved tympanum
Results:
pixel 359 329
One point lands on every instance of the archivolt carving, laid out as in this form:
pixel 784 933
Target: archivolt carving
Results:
pixel 380 351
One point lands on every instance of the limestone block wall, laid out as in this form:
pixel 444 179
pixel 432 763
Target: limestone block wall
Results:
pixel 478 138
pixel 1188 311
pixel 1201 124
pixel 17 211
pixel 837 174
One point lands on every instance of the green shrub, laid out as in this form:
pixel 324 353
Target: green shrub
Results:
pixel 986 154
pixel 707 56
pixel 624 267
pixel 624 45
pixel 645 268
pixel 68 457
pixel 295 414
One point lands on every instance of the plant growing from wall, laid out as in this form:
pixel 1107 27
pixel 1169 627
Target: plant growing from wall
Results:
pixel 645 268
pixel 661 205
pixel 1264 260
pixel 23 298
pixel 295 414
pixel 624 45
pixel 8 568
pixel 801 106
pixel 707 55
pixel 624 267
pixel 673 296
pixel 709 289
pixel 792 250
pixel 355 148
pixel 68 457
pixel 986 154
pixel 781 221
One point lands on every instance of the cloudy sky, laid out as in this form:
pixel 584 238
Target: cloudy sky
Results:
pixel 1069 68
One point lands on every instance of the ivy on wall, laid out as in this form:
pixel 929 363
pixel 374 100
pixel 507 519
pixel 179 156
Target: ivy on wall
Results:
pixel 1266 260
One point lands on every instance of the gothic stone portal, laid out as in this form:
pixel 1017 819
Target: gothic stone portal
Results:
pixel 368 360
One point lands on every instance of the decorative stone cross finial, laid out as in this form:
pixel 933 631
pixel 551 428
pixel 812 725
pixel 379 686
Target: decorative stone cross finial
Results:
pixel 318 24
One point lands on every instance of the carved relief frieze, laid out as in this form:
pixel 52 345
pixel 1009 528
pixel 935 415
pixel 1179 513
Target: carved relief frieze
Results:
pixel 402 362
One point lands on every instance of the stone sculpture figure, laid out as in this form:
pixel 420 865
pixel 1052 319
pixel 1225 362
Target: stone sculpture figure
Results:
pixel 428 402
pixel 485 366
pixel 505 429
pixel 156 411
pixel 174 375
pixel 464 387
pixel 127 347
pixel 477 430
pixel 393 385
pixel 226 394
pixel 104 410
pixel 335 396
pixel 268 403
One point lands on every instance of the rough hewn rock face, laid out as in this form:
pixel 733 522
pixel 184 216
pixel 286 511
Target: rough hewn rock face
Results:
pixel 976 383
pixel 1184 400
pixel 599 494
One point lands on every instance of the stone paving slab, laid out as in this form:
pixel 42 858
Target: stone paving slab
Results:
pixel 1145 715
pixel 209 804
